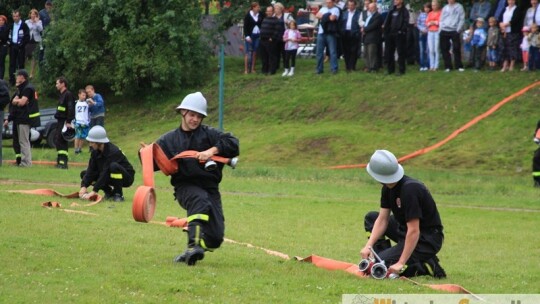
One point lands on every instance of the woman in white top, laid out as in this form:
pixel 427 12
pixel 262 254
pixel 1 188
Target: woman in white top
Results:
pixel 511 33
pixel 35 28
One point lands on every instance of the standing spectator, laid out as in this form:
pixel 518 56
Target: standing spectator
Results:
pixel 252 34
pixel 45 13
pixel 510 25
pixel 24 113
pixel 327 36
pixel 19 35
pixel 478 43
pixel 65 115
pixel 494 34
pixel 196 189
pixel 4 41
pixel 35 26
pixel 97 107
pixel 524 46
pixel 82 120
pixel 480 9
pixel 534 45
pixel 108 168
pixel 350 35
pixel 532 15
pixel 452 20
pixel 432 22
pixel 372 32
pixel 46 18
pixel 291 37
pixel 281 26
pixel 395 36
pixel 412 36
pixel 267 46
pixel 422 37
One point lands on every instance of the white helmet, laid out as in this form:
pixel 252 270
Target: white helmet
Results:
pixel 34 134
pixel 194 102
pixel 384 167
pixel 97 134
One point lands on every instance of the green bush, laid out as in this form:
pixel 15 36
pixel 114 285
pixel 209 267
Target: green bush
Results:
pixel 133 47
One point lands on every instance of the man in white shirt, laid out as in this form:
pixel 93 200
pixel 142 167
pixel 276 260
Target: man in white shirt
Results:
pixel 327 36
pixel 19 35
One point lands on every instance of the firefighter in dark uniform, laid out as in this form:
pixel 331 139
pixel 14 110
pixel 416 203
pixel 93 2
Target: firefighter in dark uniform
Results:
pixel 536 158
pixel 65 114
pixel 415 224
pixel 196 189
pixel 24 113
pixel 108 169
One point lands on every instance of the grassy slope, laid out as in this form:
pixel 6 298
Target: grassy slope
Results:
pixel 282 198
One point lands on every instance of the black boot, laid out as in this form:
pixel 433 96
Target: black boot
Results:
pixel 194 252
pixel 62 161
pixel 18 161
pixel 430 267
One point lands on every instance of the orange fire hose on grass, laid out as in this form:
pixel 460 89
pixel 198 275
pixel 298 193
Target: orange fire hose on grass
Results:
pixel 453 134
pixel 144 200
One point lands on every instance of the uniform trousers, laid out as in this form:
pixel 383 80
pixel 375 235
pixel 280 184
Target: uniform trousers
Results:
pixel 206 222
pixel 429 243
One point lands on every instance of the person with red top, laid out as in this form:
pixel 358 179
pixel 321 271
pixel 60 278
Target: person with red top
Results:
pixel 432 23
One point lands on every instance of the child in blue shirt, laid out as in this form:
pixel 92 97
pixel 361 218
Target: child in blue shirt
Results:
pixel 478 43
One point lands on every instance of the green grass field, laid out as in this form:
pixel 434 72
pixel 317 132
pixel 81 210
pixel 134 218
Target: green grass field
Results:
pixel 283 197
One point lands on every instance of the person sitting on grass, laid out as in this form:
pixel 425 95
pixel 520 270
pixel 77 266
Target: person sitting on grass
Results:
pixel 108 169
pixel 408 216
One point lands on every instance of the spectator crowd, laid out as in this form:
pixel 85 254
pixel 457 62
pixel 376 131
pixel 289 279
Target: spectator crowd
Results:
pixel 493 35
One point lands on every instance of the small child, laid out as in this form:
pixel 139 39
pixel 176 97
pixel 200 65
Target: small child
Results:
pixel 494 35
pixel 291 37
pixel 422 37
pixel 478 43
pixel 525 48
pixel 82 121
pixel 534 44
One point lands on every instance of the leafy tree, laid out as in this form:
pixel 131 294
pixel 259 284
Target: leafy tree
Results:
pixel 131 46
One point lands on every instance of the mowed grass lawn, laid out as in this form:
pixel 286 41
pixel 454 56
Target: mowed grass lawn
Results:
pixel 50 256
pixel 282 196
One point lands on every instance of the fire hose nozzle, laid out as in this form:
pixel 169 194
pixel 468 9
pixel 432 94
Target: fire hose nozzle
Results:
pixel 210 165
pixel 365 265
pixel 232 162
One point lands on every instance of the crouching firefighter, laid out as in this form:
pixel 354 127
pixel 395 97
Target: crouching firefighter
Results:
pixel 65 114
pixel 408 216
pixel 196 188
pixel 108 169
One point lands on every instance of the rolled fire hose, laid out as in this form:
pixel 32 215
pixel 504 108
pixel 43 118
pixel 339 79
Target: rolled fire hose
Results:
pixel 144 200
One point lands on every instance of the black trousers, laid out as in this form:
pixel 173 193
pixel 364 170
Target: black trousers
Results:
pixel 396 41
pixel 268 56
pixel 451 40
pixel 535 166
pixel 290 59
pixel 117 178
pixel 351 42
pixel 206 222
pixel 3 55
pixel 16 61
pixel 429 244
pixel 477 56
pixel 61 144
